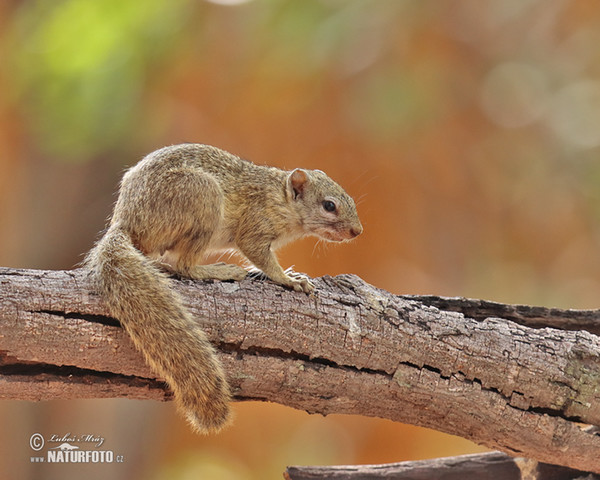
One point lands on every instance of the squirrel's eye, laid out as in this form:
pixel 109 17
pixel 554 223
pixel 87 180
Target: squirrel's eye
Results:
pixel 329 206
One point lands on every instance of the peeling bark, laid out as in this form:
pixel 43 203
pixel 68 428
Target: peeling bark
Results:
pixel 450 364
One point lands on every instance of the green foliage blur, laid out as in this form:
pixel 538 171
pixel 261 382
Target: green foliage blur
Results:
pixel 79 68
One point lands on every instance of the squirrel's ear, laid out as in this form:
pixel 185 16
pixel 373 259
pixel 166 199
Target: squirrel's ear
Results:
pixel 296 183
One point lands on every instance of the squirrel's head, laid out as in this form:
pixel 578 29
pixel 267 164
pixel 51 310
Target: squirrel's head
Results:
pixel 325 209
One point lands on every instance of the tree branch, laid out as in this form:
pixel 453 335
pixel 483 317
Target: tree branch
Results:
pixel 482 466
pixel 350 348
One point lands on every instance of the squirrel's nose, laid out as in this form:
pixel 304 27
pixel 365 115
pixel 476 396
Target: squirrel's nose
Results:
pixel 356 231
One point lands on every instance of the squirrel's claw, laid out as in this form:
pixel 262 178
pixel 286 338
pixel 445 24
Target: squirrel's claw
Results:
pixel 300 282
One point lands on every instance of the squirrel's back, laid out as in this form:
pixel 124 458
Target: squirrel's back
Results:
pixel 213 160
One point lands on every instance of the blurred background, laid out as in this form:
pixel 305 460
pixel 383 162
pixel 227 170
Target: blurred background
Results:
pixel 468 131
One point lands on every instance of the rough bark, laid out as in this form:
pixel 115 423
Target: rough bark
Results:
pixel 349 348
pixel 483 466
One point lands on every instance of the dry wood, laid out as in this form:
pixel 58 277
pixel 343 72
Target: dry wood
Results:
pixel 482 466
pixel 350 348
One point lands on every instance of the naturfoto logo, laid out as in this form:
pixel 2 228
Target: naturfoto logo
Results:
pixel 70 448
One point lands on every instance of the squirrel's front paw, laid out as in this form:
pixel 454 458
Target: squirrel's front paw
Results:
pixel 299 282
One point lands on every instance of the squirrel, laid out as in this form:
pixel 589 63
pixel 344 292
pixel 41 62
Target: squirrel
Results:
pixel 178 204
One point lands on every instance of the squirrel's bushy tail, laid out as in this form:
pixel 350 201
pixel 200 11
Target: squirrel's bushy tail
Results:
pixel 140 296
